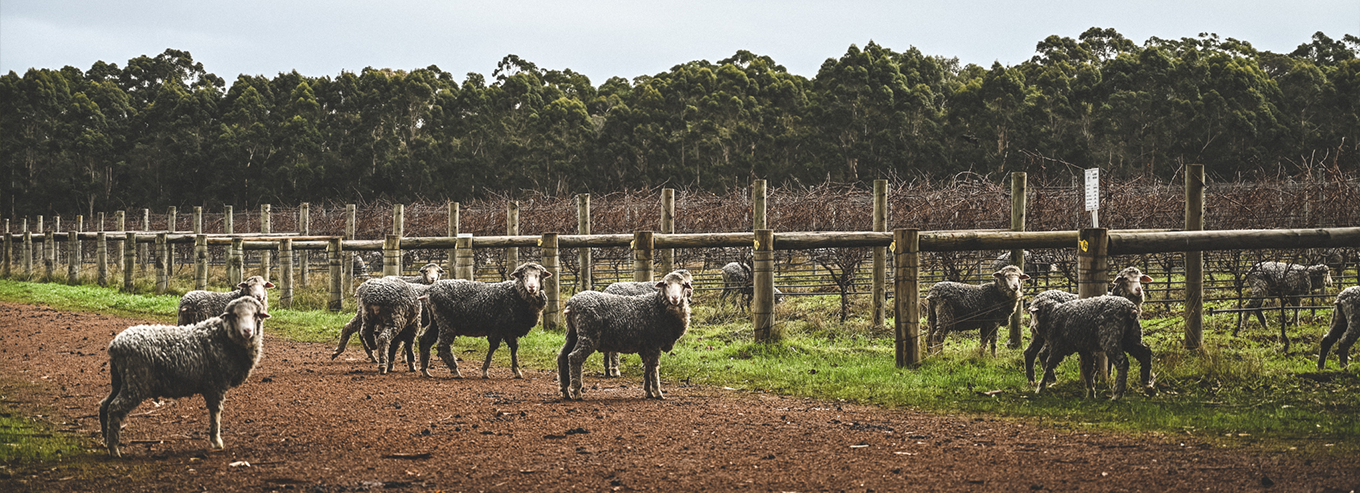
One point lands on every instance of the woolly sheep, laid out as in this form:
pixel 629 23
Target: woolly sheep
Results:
pixel 738 282
pixel 358 268
pixel 1039 264
pixel 647 325
pixel 1288 282
pixel 953 306
pixel 1345 327
pixel 429 273
pixel 1037 319
pixel 632 288
pixel 503 311
pixel 388 316
pixel 1103 324
pixel 197 306
pixel 206 358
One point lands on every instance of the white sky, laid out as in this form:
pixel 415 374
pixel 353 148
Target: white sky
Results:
pixel 609 38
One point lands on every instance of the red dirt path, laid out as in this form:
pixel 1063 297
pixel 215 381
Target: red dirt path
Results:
pixel 306 423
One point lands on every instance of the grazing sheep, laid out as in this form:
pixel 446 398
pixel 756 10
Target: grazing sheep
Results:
pixel 388 315
pixel 647 325
pixel 206 358
pixel 632 288
pixel 953 306
pixel 429 273
pixel 197 306
pixel 503 311
pixel 1037 319
pixel 1288 282
pixel 1345 327
pixel 1103 324
pixel 736 281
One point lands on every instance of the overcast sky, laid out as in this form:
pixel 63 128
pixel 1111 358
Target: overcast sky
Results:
pixel 609 38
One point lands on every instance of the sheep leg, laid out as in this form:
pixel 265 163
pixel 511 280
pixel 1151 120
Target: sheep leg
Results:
pixel 493 343
pixel 1337 333
pixel 514 356
pixel 1050 364
pixel 1252 304
pixel 1284 337
pixel 112 410
pixel 575 360
pixel 1143 354
pixel 651 375
pixel 213 401
pixel 1087 362
pixel 350 328
pixel 387 351
pixel 1121 366
pixel 611 364
pixel 446 354
pixel 410 355
pixel 1031 352
pixel 427 339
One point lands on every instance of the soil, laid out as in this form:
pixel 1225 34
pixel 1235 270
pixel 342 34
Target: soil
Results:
pixel 304 422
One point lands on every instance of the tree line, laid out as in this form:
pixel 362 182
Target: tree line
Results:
pixel 164 131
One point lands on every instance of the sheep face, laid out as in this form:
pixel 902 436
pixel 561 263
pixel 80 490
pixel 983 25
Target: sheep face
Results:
pixel 675 289
pixel 1130 280
pixel 531 275
pixel 255 286
pixel 243 319
pixel 1321 276
pixel 431 273
pixel 1011 280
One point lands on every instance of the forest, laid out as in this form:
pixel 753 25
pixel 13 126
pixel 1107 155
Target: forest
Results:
pixel 163 131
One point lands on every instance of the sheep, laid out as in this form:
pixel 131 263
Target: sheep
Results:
pixel 1288 282
pixel 953 306
pixel 1103 324
pixel 429 273
pixel 197 306
pixel 736 281
pixel 207 358
pixel 503 311
pixel 1040 264
pixel 1345 327
pixel 646 324
pixel 632 288
pixel 1037 319
pixel 388 315
pixel 358 268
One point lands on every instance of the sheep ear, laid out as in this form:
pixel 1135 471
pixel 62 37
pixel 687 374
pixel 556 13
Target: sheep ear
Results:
pixel 1024 276
pixel 268 284
pixel 425 297
pixel 1145 278
pixel 546 274
pixel 262 315
pixel 661 285
pixel 242 285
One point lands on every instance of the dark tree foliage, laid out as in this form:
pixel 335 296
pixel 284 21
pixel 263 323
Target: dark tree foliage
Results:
pixel 164 131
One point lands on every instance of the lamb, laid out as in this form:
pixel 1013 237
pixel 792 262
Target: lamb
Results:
pixel 1288 282
pixel 953 306
pixel 388 315
pixel 1345 327
pixel 1128 284
pixel 503 311
pixel 429 273
pixel 647 325
pixel 206 358
pixel 1103 324
pixel 632 288
pixel 197 306
pixel 736 281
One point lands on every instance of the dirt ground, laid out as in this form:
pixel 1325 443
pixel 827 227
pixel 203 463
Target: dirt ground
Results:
pixel 303 422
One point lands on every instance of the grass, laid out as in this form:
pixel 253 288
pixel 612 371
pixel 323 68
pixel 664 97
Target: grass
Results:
pixel 1234 391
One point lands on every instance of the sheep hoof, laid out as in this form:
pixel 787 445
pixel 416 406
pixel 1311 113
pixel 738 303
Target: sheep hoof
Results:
pixel 426 373
pixel 337 353
pixel 518 374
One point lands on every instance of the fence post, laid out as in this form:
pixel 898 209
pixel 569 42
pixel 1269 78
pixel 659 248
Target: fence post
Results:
pixel 398 230
pixel 511 229
pixel 392 256
pixel 907 293
pixel 762 277
pixel 1093 275
pixel 452 253
pixel 28 255
pixel 879 291
pixel 667 227
pixel 120 225
pixel 286 272
pixel 170 249
pixel 583 228
pixel 1019 203
pixel 1194 261
pixel 758 205
pixel 78 250
pixel 144 248
pixel 466 268
pixel 228 220
pixel 72 258
pixel 9 253
pixel 642 256
pixel 236 262
pixel 50 254
pixel 350 218
pixel 552 286
pixel 265 228
pixel 129 259
pixel 336 274
pixel 200 261
pixel 304 227
pixel 102 253
pixel 162 263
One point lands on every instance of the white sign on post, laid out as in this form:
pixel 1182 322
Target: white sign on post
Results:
pixel 1093 195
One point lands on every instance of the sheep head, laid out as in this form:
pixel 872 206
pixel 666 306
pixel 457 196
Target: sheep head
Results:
pixel 243 319
pixel 675 288
pixel 1130 281
pixel 255 286
pixel 1011 280
pixel 531 276
pixel 431 272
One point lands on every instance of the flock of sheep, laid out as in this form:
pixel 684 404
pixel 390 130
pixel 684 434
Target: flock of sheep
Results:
pixel 218 338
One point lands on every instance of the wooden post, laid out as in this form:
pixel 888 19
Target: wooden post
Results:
pixel 265 228
pixel 392 256
pixel 642 256
pixel 198 219
pixel 762 277
pixel 102 261
pixel 467 268
pixel 162 263
pixel 1018 206
pixel 120 225
pixel 511 229
pixel 1093 274
pixel 50 254
pixel 336 274
pixel 286 272
pixel 584 254
pixel 144 248
pixel 9 253
pixel 452 253
pixel 129 259
pixel 399 230
pixel 200 261
pixel 28 255
pixel 170 249
pixel 305 228
pixel 228 220
pixel 350 219
pixel 667 259
pixel 236 261
pixel 907 293
pixel 78 250
pixel 879 291
pixel 758 205
pixel 72 258
pixel 552 287
pixel 1194 261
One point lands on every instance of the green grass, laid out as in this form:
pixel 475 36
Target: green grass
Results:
pixel 1234 391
